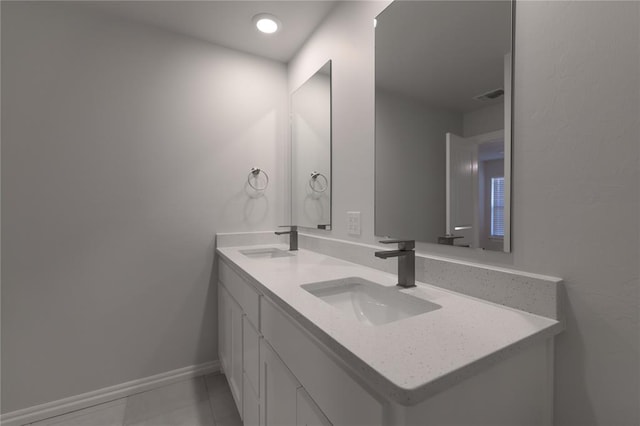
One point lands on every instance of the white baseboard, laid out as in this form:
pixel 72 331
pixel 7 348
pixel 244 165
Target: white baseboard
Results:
pixel 88 399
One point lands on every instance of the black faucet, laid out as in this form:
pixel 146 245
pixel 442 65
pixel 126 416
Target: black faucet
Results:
pixel 293 236
pixel 406 261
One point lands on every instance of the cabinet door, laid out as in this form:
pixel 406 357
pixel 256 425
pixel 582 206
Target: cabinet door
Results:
pixel 230 342
pixel 235 370
pixel 251 348
pixel 279 388
pixel 308 413
pixel 224 330
pixel 251 405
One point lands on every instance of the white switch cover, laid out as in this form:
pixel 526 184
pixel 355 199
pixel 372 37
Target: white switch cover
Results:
pixel 353 223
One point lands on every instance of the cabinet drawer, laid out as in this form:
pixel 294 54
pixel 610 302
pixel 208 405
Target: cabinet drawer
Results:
pixel 243 292
pixel 251 343
pixel 339 396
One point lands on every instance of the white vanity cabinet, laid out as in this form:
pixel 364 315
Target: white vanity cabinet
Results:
pixel 251 339
pixel 239 341
pixel 282 374
pixel 266 392
pixel 280 387
pixel 230 342
pixel 326 379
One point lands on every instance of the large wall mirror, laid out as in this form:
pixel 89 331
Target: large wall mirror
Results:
pixel 311 151
pixel 443 122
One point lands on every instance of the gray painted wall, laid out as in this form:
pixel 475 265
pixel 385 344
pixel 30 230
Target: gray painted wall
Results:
pixel 576 183
pixel 124 150
pixel 411 148
pixel 112 194
pixel 483 120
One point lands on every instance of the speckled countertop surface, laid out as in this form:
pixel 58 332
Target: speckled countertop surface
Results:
pixel 408 360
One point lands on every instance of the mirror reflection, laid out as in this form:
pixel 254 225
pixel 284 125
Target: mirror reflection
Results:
pixel 311 151
pixel 443 122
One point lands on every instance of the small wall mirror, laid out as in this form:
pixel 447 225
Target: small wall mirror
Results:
pixel 311 151
pixel 443 122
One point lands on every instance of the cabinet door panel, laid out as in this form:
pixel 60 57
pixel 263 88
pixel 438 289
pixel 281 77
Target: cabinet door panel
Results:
pixel 251 346
pixel 224 329
pixel 279 390
pixel 251 405
pixel 235 370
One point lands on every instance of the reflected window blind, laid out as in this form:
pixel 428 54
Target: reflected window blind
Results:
pixel 497 207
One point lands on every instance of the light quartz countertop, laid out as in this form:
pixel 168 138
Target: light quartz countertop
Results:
pixel 408 360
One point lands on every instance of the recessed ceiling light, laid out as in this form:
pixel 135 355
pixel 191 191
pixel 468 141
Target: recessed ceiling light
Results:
pixel 266 23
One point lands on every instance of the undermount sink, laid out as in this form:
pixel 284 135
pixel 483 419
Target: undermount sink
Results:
pixel 265 253
pixel 368 302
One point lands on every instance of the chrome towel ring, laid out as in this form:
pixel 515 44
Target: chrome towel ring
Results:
pixel 253 175
pixel 315 182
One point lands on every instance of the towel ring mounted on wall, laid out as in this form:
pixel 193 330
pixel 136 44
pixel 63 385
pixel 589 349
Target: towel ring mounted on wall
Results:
pixel 313 181
pixel 253 175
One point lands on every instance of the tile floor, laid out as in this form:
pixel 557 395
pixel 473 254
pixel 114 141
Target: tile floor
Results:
pixel 202 401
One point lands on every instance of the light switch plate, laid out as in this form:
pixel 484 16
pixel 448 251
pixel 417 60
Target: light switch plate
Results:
pixel 353 223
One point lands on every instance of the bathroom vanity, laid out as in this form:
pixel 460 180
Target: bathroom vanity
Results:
pixel 305 338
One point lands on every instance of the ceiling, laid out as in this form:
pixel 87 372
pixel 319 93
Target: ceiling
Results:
pixel 228 23
pixel 443 53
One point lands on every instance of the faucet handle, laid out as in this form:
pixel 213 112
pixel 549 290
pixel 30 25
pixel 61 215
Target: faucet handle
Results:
pixel 402 244
pixel 292 227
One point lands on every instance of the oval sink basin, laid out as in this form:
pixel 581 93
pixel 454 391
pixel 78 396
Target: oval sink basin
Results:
pixel 368 302
pixel 265 253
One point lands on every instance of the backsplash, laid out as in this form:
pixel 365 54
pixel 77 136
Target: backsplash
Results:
pixel 533 293
pixel 235 239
